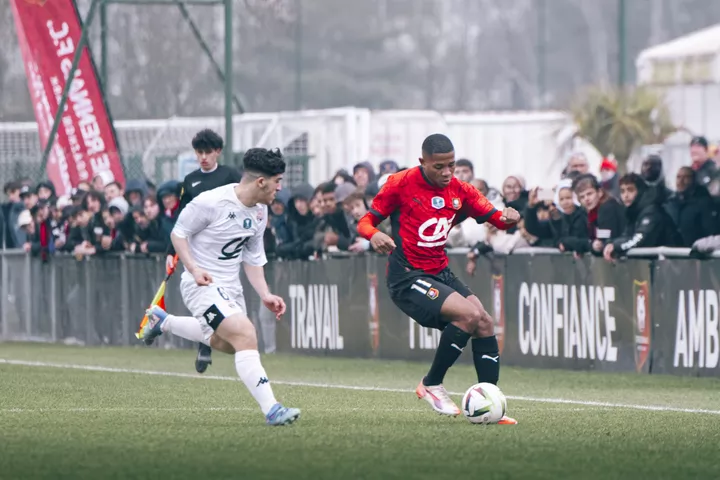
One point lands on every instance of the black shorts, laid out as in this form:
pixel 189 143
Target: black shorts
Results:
pixel 420 295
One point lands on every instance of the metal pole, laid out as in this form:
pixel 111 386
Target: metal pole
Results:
pixel 63 100
pixel 53 300
pixel 89 314
pixel 298 55
pixel 540 54
pixel 229 150
pixel 206 48
pixel 103 44
pixel 28 295
pixel 125 299
pixel 4 292
pixel 622 44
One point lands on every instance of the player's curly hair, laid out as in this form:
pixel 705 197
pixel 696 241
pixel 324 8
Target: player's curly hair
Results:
pixel 207 141
pixel 262 161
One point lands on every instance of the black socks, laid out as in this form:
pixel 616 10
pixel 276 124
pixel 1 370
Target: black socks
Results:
pixel 486 358
pixel 452 342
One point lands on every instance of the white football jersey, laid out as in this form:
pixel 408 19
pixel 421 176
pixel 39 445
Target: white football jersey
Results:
pixel 222 233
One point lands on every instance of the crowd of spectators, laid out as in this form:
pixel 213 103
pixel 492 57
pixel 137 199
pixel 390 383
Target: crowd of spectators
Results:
pixel 612 214
pixel 95 219
pixel 582 214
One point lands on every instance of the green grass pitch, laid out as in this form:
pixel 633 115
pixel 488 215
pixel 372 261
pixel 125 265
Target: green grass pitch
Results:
pixel 59 419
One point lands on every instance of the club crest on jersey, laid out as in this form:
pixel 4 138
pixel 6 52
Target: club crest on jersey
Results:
pixel 456 203
pixel 433 293
pixel 247 223
pixel 437 202
pixel 259 217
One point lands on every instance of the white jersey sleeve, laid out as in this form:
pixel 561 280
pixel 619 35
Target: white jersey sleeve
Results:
pixel 195 217
pixel 254 251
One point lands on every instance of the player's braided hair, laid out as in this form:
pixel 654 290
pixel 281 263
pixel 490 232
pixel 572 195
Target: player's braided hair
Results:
pixel 262 161
pixel 437 143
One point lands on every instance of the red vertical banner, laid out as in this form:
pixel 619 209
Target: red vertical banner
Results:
pixel 85 145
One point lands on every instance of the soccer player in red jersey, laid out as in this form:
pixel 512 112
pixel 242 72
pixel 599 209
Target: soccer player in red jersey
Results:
pixel 424 203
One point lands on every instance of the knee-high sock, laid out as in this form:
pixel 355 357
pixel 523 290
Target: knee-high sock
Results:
pixel 252 373
pixel 185 327
pixel 452 342
pixel 486 357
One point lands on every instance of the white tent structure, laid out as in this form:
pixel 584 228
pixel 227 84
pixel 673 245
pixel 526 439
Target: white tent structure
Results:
pixel 687 71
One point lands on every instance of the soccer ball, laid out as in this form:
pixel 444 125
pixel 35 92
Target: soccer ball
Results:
pixel 484 403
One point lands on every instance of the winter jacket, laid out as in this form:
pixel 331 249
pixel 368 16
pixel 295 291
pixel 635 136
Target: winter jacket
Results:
pixel 153 234
pixel 167 218
pixel 706 173
pixel 42 242
pixel 520 204
pixel 694 213
pixel 301 228
pixel 605 221
pixel 574 225
pixel 135 185
pixel 648 225
pixel 542 230
pixel 14 236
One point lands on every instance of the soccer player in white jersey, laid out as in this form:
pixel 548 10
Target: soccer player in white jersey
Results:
pixel 216 232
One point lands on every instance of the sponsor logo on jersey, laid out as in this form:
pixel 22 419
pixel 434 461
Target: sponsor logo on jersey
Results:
pixel 231 215
pixel 435 231
pixel 247 223
pixel 456 203
pixel 195 184
pixel 233 248
pixel 437 202
pixel 314 317
pixel 433 293
pixel 567 321
pixel 642 323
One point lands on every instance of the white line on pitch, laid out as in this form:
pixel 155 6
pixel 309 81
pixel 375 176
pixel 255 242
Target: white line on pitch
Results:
pixel 97 368
pixel 200 409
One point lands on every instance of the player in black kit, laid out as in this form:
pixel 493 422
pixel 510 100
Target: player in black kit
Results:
pixel 208 146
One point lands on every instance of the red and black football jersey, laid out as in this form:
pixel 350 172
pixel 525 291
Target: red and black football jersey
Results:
pixel 422 216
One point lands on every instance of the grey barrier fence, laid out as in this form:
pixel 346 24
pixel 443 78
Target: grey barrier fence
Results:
pixel 649 316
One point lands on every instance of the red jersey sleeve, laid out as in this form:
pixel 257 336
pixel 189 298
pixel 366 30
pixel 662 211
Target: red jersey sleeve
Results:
pixel 387 200
pixel 383 205
pixel 478 207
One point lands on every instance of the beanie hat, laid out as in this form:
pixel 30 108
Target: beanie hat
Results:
pixel 609 163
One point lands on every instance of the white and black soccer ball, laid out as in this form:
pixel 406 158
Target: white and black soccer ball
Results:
pixel 484 403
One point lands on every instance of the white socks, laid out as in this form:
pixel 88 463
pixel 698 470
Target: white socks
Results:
pixel 186 327
pixel 247 362
pixel 252 373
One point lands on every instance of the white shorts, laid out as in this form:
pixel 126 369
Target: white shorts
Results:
pixel 211 304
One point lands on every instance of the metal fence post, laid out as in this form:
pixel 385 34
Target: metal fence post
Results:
pixel 124 300
pixel 88 300
pixel 53 301
pixel 5 329
pixel 28 295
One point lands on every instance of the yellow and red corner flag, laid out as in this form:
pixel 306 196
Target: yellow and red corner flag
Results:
pixel 159 298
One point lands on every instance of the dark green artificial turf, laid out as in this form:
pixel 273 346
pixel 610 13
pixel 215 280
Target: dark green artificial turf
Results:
pixel 71 423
